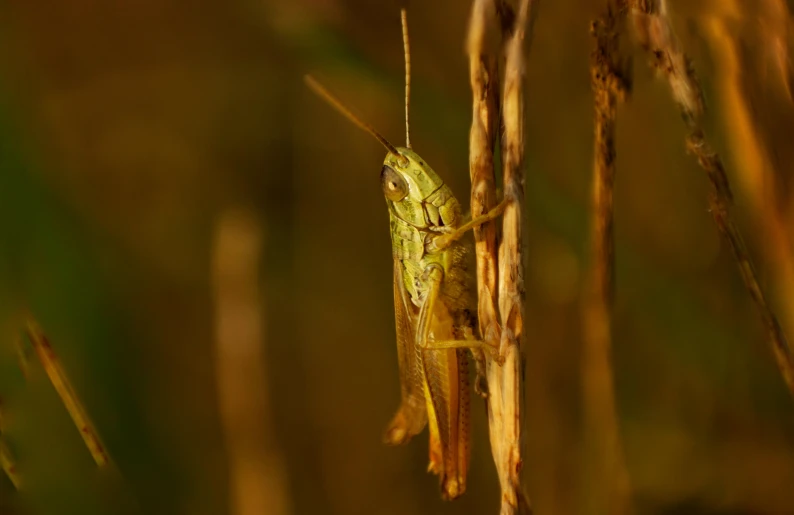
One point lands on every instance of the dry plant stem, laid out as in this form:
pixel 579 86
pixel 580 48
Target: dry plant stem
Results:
pixel 7 462
pixel 505 381
pixel 257 480
pixel 500 289
pixel 23 355
pixel 755 158
pixel 656 34
pixel 720 203
pixel 66 392
pixel 609 83
pixel 8 465
pixel 484 76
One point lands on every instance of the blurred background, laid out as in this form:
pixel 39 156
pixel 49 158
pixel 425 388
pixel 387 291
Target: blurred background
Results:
pixel 206 245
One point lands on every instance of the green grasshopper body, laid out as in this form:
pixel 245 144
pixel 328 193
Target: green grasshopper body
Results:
pixel 431 301
pixel 431 304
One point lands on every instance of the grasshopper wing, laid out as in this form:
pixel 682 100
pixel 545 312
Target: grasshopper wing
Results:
pixel 411 417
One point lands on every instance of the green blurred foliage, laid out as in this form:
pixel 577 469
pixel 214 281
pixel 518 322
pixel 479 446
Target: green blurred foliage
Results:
pixel 127 129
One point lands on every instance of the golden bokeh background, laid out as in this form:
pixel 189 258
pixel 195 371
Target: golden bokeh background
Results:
pixel 205 243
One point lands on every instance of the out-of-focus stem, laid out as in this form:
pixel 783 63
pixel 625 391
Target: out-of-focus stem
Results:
pixel 609 85
pixel 256 474
pixel 657 36
pixel 60 381
pixel 23 354
pixel 756 161
pixel 7 462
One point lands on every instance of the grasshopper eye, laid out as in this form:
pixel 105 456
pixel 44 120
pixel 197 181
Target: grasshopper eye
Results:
pixel 394 186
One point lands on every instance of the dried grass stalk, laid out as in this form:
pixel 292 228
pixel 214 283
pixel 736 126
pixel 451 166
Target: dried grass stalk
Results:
pixel 23 355
pixel 257 479
pixel 506 382
pixel 484 76
pixel 609 79
pixel 66 392
pixel 756 159
pixel 500 271
pixel 655 33
pixel 7 462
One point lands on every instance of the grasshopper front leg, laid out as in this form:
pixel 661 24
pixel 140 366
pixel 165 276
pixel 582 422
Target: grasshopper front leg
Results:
pixel 445 240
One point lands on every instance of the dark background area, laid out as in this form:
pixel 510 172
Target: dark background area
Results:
pixel 129 130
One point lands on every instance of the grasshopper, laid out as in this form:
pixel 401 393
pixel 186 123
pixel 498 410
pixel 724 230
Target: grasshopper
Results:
pixel 431 300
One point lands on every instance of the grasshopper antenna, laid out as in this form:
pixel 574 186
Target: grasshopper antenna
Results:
pixel 326 95
pixel 407 53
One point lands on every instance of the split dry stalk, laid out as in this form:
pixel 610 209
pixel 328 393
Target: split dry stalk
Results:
pixel 484 76
pixel 610 84
pixel 656 35
pixel 500 268
pixel 67 393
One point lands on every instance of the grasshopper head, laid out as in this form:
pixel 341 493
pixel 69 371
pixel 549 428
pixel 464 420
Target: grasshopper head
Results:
pixel 415 193
pixel 408 176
